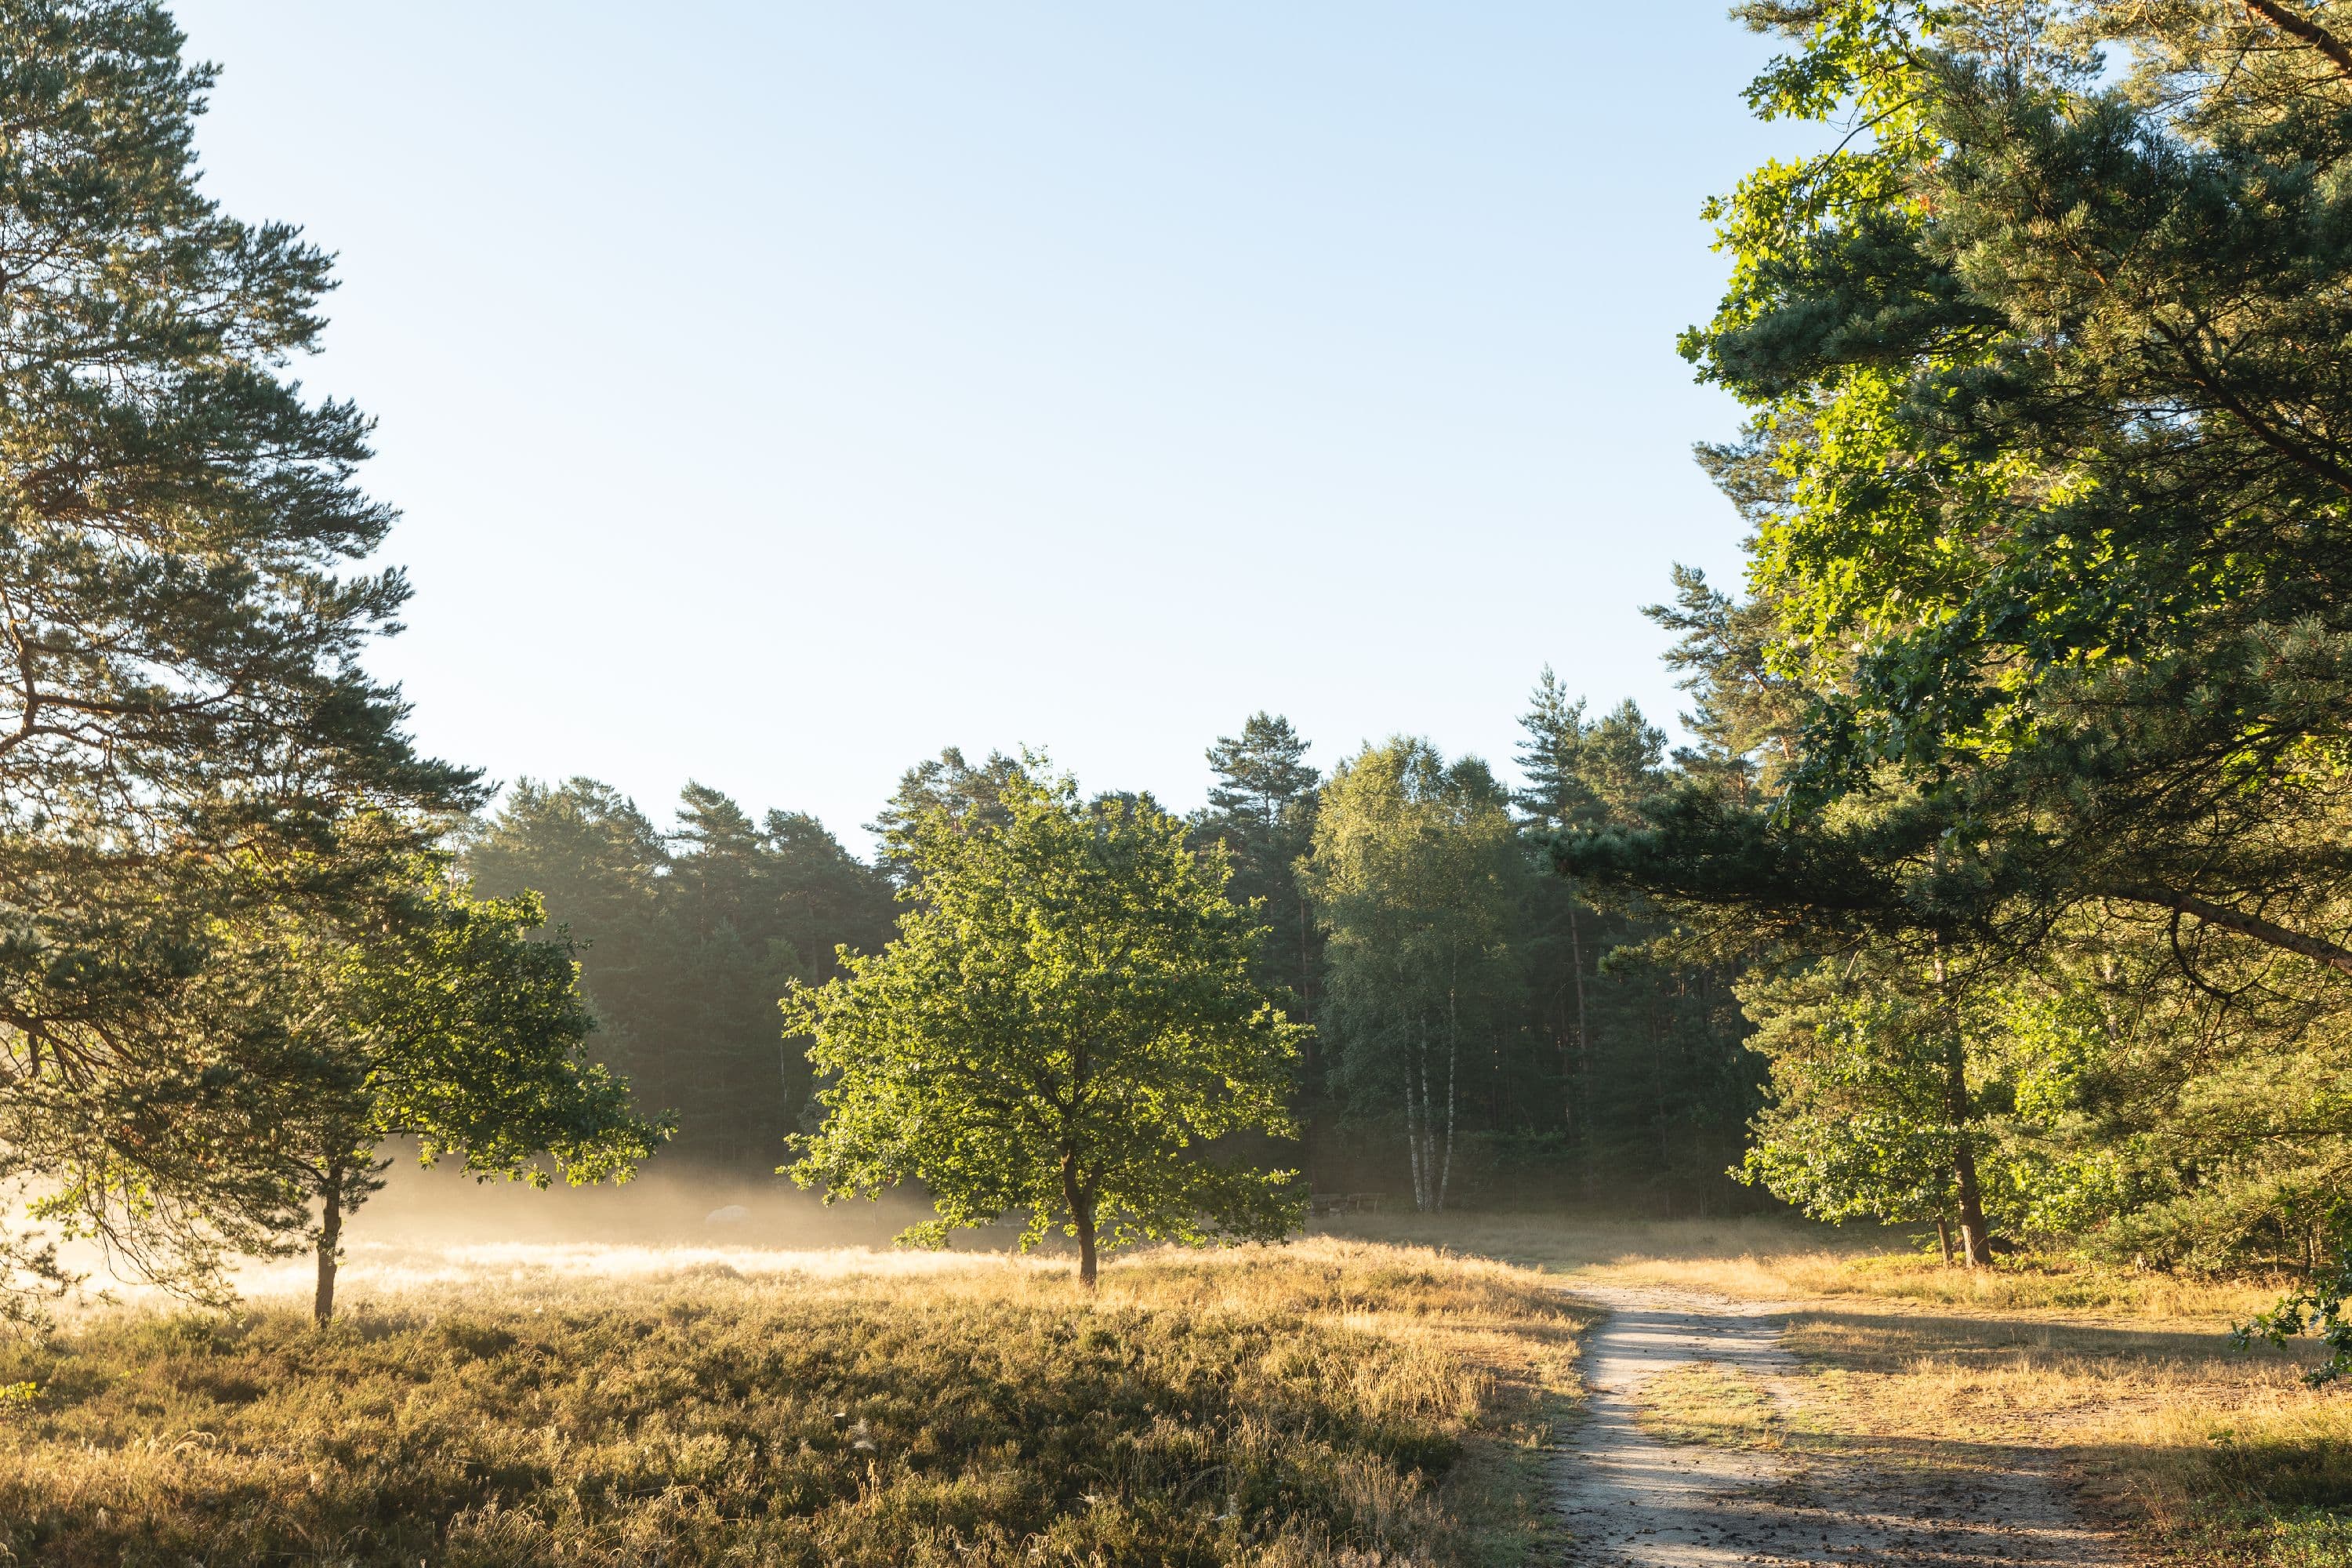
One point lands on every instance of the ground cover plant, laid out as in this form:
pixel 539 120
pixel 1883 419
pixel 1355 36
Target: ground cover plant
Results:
pixel 1332 1402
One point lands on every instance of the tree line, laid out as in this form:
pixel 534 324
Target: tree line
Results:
pixel 250 936
pixel 1482 1030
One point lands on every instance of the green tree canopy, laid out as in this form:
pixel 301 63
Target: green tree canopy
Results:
pixel 1874 1115
pixel 188 738
pixel 1064 1029
pixel 2049 468
pixel 967 792
pixel 2043 668
pixel 1262 809
pixel 1416 876
pixel 307 1043
pixel 453 1028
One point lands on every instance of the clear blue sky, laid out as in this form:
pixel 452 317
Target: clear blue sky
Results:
pixel 777 393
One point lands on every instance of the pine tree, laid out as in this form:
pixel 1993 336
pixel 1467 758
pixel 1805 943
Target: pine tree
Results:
pixel 970 794
pixel 187 734
pixel 1262 809
pixel 686 940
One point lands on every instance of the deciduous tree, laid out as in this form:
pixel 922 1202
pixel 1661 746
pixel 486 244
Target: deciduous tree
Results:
pixel 1416 876
pixel 1064 1029
pixel 452 1027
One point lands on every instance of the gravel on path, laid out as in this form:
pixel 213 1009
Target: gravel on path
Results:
pixel 1633 1501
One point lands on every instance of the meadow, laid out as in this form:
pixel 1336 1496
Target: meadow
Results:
pixel 1393 1396
pixel 1332 1402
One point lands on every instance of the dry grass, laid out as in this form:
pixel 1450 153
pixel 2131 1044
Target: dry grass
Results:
pixel 1706 1402
pixel 1332 1402
pixel 1772 1259
pixel 2211 1456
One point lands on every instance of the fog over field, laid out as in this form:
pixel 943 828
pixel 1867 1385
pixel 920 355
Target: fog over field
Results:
pixel 436 1226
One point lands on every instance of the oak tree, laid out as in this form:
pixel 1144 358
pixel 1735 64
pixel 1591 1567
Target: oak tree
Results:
pixel 1065 1029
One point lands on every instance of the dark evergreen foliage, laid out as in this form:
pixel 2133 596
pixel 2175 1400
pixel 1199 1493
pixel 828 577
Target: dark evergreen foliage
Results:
pixel 686 941
pixel 1262 809
pixel 190 749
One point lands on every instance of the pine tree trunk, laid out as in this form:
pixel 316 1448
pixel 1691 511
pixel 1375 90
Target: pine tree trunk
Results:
pixel 1664 1121
pixel 331 1237
pixel 1974 1238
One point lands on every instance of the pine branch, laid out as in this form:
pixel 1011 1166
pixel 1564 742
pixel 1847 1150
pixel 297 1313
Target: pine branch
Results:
pixel 2309 31
pixel 2254 926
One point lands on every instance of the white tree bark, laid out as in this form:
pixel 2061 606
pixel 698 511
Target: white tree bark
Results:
pixel 1453 1058
pixel 1412 1142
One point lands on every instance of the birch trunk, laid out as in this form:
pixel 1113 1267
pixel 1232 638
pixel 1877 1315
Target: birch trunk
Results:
pixel 1452 1061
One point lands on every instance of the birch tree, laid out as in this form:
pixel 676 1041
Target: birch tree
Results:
pixel 1415 874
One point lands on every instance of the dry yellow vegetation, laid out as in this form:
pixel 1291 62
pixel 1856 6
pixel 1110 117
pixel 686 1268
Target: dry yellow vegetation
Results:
pixel 1707 1402
pixel 2213 1457
pixel 1330 1402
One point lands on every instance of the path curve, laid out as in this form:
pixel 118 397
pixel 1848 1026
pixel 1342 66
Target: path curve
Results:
pixel 1633 1502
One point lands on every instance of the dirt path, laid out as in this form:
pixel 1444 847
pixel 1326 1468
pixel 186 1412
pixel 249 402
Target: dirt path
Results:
pixel 1636 1502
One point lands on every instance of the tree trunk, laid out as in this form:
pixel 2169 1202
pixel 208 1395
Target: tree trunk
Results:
pixel 1086 1221
pixel 1412 1125
pixel 1973 1236
pixel 1411 1140
pixel 1306 959
pixel 1428 1165
pixel 1080 1197
pixel 1666 1115
pixel 1944 1239
pixel 1576 1094
pixel 331 1237
pixel 1446 1173
pixel 1453 1061
pixel 1974 1239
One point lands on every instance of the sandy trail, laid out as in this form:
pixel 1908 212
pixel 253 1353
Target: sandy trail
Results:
pixel 1635 1502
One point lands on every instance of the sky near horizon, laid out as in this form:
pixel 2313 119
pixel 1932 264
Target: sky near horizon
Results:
pixel 778 392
